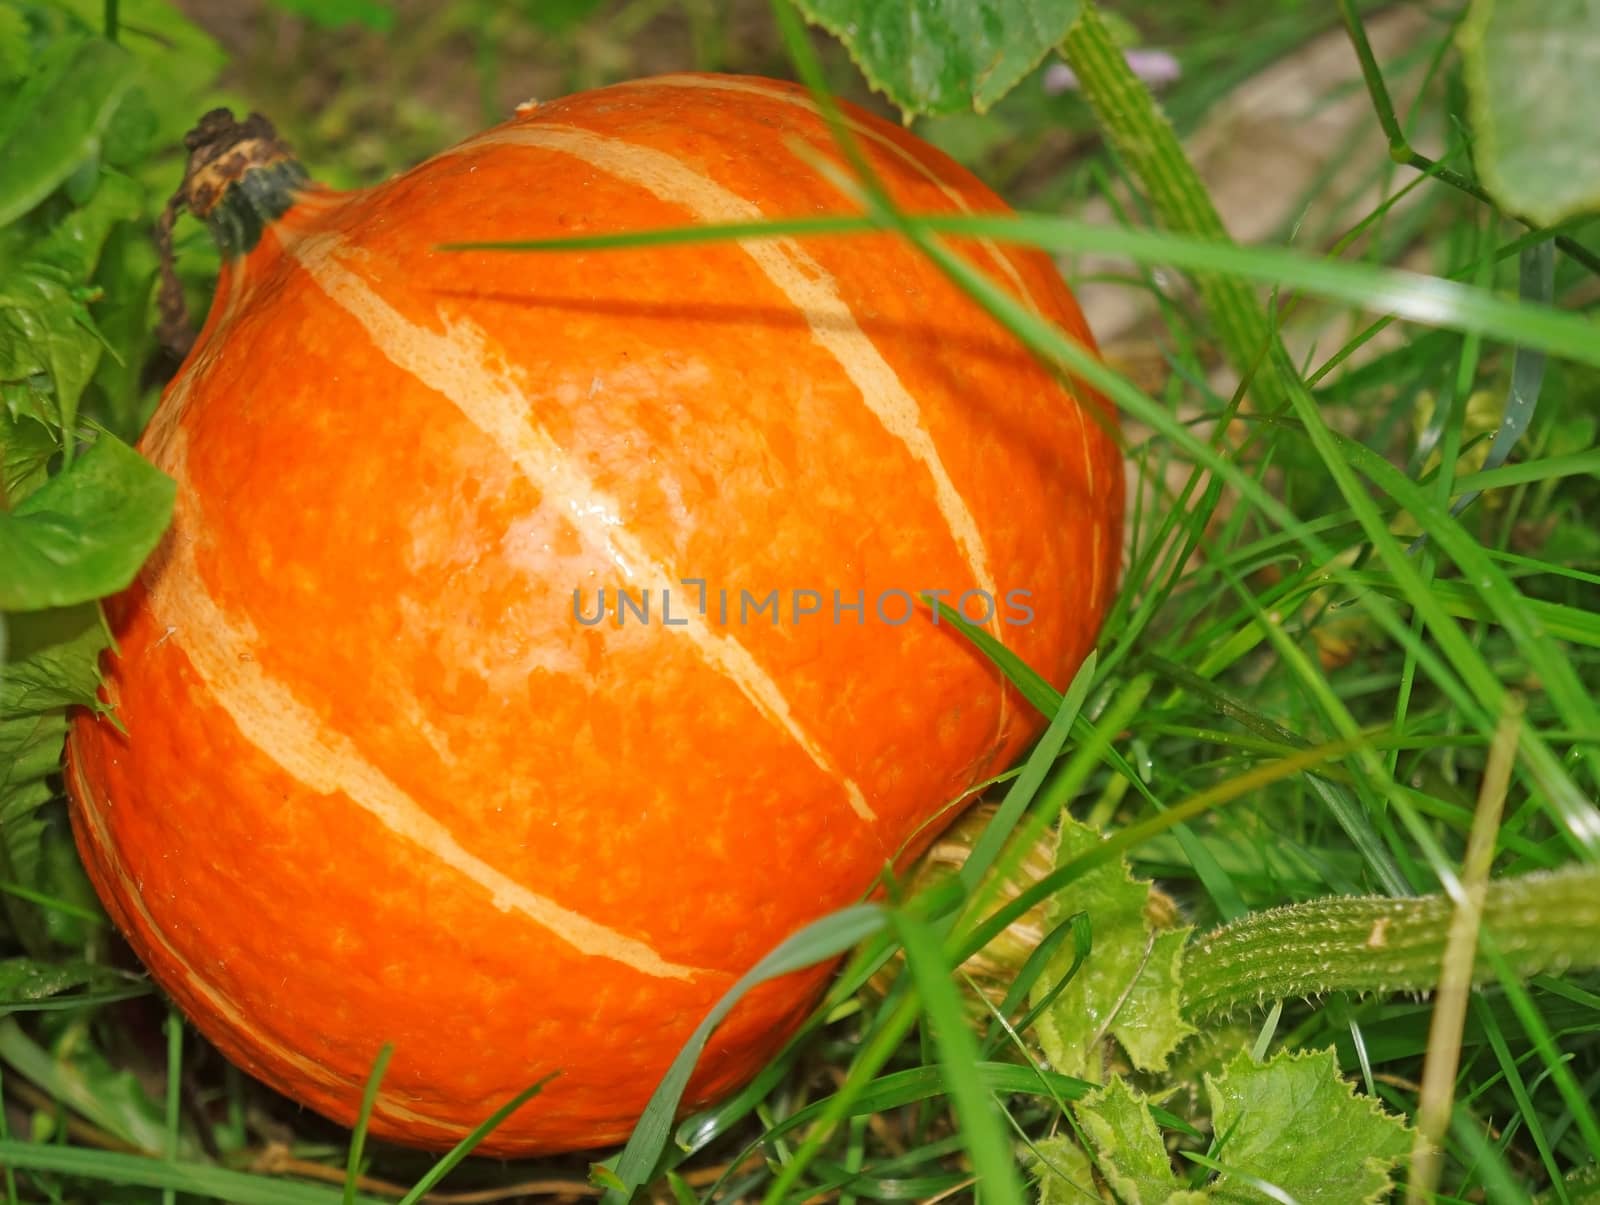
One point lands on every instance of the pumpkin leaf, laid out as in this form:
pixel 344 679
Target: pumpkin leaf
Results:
pixel 1531 93
pixel 1063 1173
pixel 55 121
pixel 1131 1152
pixel 53 664
pixel 86 531
pixel 47 336
pixel 1128 988
pixel 1291 1124
pixel 944 56
pixel 1295 1123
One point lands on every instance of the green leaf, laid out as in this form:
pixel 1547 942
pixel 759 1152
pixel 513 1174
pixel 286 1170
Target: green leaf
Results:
pixel 131 136
pixel 52 664
pixel 126 277
pixel 26 446
pixel 72 911
pixel 45 336
pixel 1128 1144
pixel 1064 1172
pixel 943 56
pixel 1531 93
pixel 57 118
pixel 14 50
pixel 73 244
pixel 180 61
pixel 84 533
pixel 1128 987
pixel 46 330
pixel 1294 1122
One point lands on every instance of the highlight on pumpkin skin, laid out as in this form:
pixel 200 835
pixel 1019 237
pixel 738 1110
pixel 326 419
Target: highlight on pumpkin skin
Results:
pixel 806 284
pixel 452 364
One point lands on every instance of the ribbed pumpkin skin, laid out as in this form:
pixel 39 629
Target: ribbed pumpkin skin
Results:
pixel 379 784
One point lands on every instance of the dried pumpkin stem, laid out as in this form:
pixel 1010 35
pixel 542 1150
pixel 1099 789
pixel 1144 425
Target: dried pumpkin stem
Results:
pixel 240 178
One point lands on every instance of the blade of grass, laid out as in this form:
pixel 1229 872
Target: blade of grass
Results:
pixel 5 1137
pixel 821 940
pixel 1045 698
pixel 169 1149
pixel 121 1171
pixel 358 1139
pixel 897 1019
pixel 1518 1087
pixel 987 848
pixel 1407 294
pixel 1455 972
pixel 974 1107
pixel 1499 1182
pixel 1400 149
pixel 1527 370
pixel 465 1147
pixel 973 940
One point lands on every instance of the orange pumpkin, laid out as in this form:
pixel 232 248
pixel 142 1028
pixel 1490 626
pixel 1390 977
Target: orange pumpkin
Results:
pixel 381 774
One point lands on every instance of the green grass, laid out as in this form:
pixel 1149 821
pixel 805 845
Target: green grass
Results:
pixel 1294 697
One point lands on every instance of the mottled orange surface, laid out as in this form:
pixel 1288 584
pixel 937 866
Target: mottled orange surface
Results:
pixel 377 782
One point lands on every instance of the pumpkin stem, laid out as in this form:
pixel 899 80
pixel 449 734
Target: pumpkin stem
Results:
pixel 240 178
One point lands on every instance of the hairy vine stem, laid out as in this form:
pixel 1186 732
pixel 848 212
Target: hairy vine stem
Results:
pixel 1544 922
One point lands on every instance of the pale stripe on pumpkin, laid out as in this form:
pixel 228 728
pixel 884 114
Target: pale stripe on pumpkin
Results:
pixel 215 999
pixel 290 733
pixel 806 283
pixel 772 92
pixel 455 363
